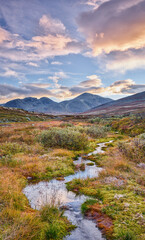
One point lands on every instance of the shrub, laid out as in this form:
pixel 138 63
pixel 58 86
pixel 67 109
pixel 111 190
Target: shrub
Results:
pixel 134 151
pixel 64 138
pixel 97 132
pixel 11 148
pixel 66 124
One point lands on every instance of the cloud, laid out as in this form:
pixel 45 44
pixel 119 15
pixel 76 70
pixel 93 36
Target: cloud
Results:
pixel 91 3
pixel 56 77
pixel 127 86
pixel 4 35
pixel 121 86
pixel 56 63
pixel 50 25
pixel 9 92
pixel 39 85
pixel 123 61
pixel 95 3
pixel 114 26
pixel 32 64
pixel 93 81
pixel 52 40
pixel 9 73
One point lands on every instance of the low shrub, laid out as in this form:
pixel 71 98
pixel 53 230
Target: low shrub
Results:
pixel 97 132
pixel 9 148
pixel 64 138
pixel 66 124
pixel 134 151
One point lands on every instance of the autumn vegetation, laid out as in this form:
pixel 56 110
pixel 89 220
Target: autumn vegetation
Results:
pixel 43 150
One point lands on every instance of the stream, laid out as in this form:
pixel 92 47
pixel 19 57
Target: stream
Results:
pixel 55 192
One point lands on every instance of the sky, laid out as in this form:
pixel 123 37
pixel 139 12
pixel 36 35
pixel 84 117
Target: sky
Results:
pixel 63 48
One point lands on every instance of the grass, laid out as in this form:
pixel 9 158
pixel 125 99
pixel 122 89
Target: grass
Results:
pixel 19 221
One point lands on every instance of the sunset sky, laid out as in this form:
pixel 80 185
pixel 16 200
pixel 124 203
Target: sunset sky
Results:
pixel 62 48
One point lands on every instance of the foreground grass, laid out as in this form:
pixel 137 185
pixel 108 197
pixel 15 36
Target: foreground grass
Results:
pixel 18 220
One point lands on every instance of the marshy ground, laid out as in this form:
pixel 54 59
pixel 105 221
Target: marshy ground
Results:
pixel 44 150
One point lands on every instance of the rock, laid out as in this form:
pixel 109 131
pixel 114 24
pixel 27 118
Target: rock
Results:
pixel 64 207
pixel 114 180
pixel 60 178
pixel 29 178
pixel 118 196
pixel 126 204
pixel 141 165
pixel 28 118
pixel 43 156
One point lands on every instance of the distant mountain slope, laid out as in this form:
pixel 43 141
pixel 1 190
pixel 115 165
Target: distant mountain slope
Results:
pixel 34 104
pixel 79 104
pixel 83 103
pixel 130 104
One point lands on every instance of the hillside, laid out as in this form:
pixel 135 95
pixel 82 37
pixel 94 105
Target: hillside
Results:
pixel 131 104
pixel 18 115
pixel 79 104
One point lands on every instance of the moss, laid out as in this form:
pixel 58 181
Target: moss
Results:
pixel 123 206
pixel 86 205
pixel 90 164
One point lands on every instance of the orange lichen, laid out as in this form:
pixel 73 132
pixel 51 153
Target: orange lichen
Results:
pixel 104 222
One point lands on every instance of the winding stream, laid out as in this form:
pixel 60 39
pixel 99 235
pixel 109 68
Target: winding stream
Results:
pixel 55 192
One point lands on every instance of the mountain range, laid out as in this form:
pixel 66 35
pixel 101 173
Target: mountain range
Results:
pixel 85 104
pixel 131 104
pixel 82 103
